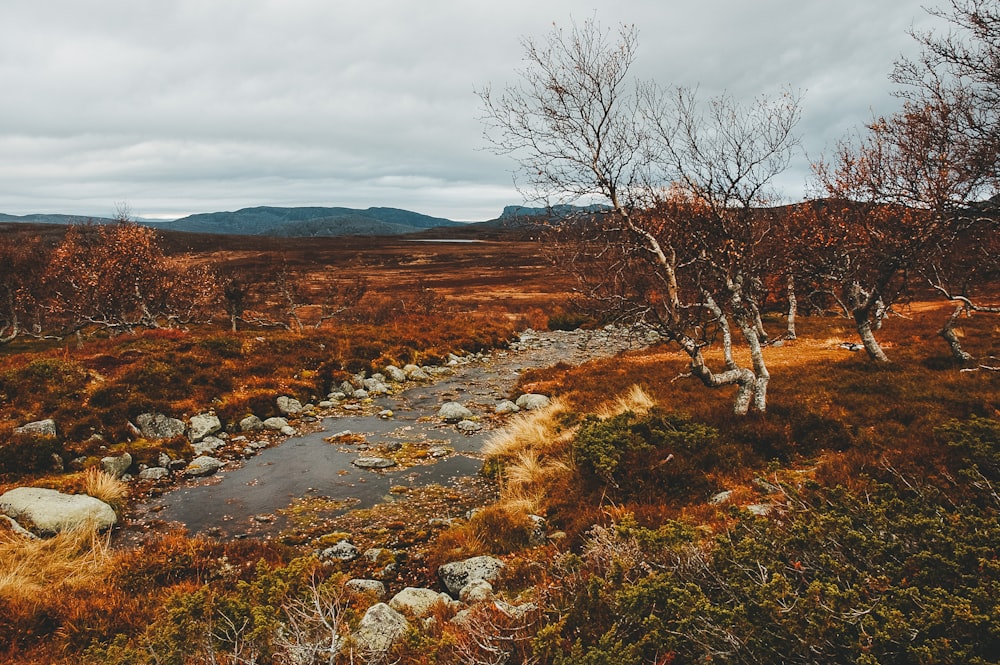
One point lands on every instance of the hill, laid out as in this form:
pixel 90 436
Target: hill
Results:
pixel 308 221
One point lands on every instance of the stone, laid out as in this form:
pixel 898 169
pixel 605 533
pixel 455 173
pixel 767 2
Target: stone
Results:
pixel 159 426
pixel 468 426
pixel 395 374
pixel 375 387
pixel 207 445
pixel 275 424
pixel 202 425
pixel 385 414
pixel 154 473
pixel 289 406
pixel 40 428
pixel 116 466
pixel 17 529
pixel 418 603
pixel 372 588
pixel 721 497
pixel 202 466
pixel 539 530
pixel 457 574
pixel 342 551
pixel 287 430
pixel 478 591
pixel 453 412
pixel 347 388
pixel 373 462
pixel 532 401
pixel 506 407
pixel 49 512
pixel 360 394
pixel 414 373
pixel 251 424
pixel 379 629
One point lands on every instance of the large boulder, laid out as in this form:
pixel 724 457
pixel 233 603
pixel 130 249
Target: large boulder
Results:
pixel 40 428
pixel 251 424
pixel 202 425
pixel 458 574
pixel 49 512
pixel 379 629
pixel 159 426
pixel 366 587
pixel 453 412
pixel 395 374
pixel 275 424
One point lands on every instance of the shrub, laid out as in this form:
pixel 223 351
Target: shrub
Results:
pixel 977 440
pixel 27 453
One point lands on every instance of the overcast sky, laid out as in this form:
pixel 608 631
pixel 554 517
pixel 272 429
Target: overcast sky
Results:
pixel 183 106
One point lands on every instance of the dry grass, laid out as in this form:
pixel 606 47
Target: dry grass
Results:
pixel 104 486
pixel 32 570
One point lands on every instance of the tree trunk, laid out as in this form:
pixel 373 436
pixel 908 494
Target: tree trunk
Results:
pixel 793 307
pixel 951 337
pixel 868 340
pixel 860 305
pixel 762 376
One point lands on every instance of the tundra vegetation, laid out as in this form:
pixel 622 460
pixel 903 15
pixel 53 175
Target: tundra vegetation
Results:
pixel 848 511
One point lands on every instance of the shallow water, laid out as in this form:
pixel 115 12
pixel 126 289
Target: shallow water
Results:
pixel 244 500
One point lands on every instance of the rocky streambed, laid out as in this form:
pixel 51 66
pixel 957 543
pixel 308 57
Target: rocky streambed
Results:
pixel 366 448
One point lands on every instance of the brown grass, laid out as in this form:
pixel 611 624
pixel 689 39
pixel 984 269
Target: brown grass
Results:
pixel 104 486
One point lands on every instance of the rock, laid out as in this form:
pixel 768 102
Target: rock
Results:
pixel 515 611
pixel 532 401
pixel 289 406
pixel 721 497
pixel 159 426
pixel 164 460
pixel 468 426
pixel 395 374
pixel 342 551
pixel 478 591
pixel 202 466
pixel 326 404
pixel 439 451
pixel 539 530
pixel 366 587
pixel 458 574
pixel 116 466
pixel 207 445
pixel 360 394
pixel 275 424
pixel 379 629
pixel 57 463
pixel 414 373
pixel 202 425
pixel 40 428
pixel 347 388
pixel 154 473
pixel 373 462
pixel 453 412
pixel 385 414
pixel 760 509
pixel 506 407
pixel 17 528
pixel 375 387
pixel 337 396
pixel 288 430
pixel 418 603
pixel 50 512
pixel 251 424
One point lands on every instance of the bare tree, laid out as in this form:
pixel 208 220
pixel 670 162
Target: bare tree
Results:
pixel 22 261
pixel 680 178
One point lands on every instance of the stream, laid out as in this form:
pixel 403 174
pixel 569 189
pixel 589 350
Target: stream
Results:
pixel 251 498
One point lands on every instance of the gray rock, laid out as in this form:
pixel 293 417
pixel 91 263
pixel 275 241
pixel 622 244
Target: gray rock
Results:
pixel 164 460
pixel 468 426
pixel 506 407
pixel 347 388
pixel 379 629
pixel 721 497
pixel 342 551
pixel 326 404
pixel 207 445
pixel 453 412
pixel 251 424
pixel 366 587
pixel 395 374
pixel 275 424
pixel 385 414
pixel 42 428
pixel 287 430
pixel 17 528
pixel 159 426
pixel 375 387
pixel 373 462
pixel 202 466
pixel 116 466
pixel 760 509
pixel 50 512
pixel 478 591
pixel 154 473
pixel 532 401
pixel 414 373
pixel 289 406
pixel 458 574
pixel 202 425
pixel 418 602
pixel 539 530
pixel 360 394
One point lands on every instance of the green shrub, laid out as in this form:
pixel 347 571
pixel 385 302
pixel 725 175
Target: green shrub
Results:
pixel 977 441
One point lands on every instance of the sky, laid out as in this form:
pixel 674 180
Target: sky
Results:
pixel 183 106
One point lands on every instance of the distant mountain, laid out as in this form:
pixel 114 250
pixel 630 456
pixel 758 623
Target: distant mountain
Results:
pixel 54 219
pixel 305 222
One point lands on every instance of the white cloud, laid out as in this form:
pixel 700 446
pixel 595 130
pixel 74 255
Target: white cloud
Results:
pixel 198 106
